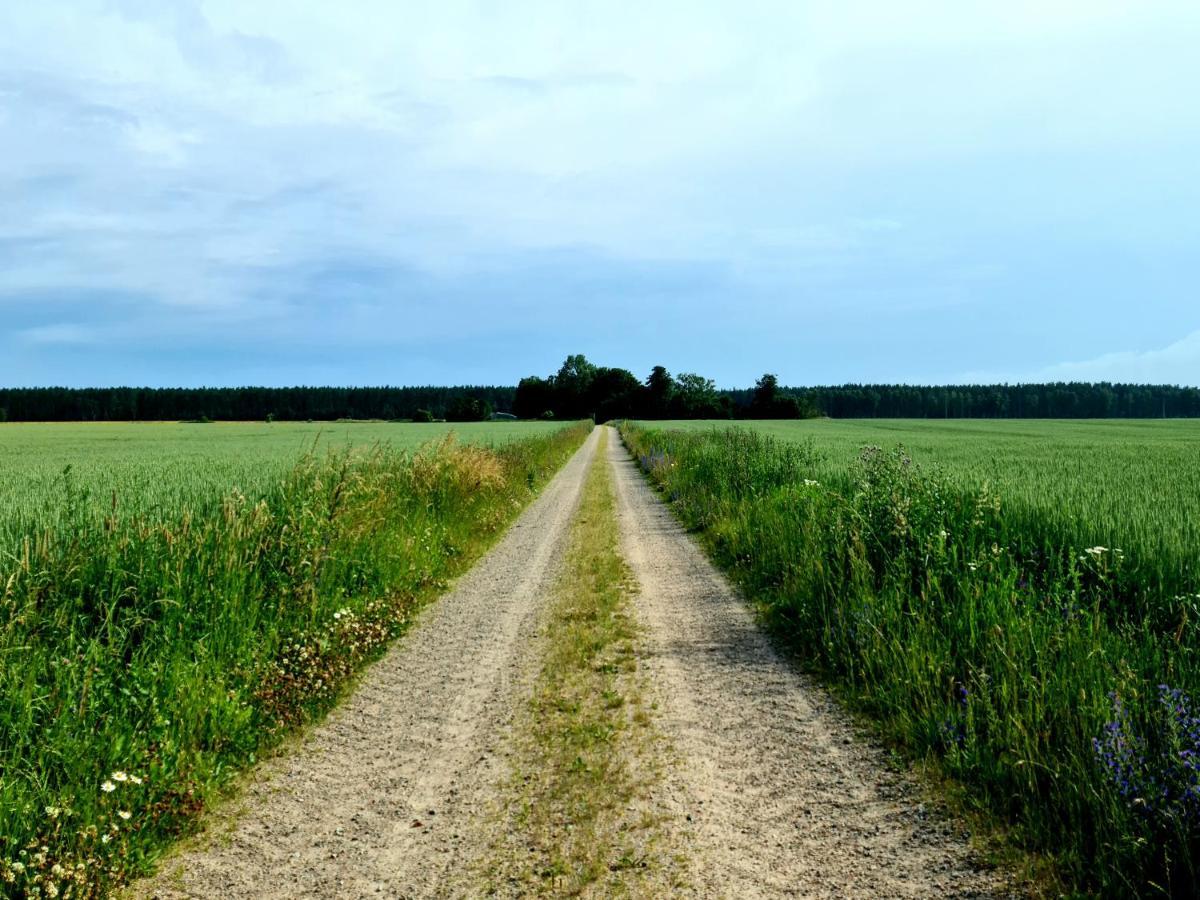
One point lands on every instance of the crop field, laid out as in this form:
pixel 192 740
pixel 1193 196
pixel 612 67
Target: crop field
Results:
pixel 1127 484
pixel 185 595
pixel 144 467
pixel 1016 603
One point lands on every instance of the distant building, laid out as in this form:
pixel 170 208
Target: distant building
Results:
pixel 502 417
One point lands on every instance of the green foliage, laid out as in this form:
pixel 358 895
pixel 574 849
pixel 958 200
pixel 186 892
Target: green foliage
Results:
pixel 696 397
pixel 155 469
pixel 770 402
pixel 150 651
pixel 660 393
pixel 981 631
pixel 1126 484
pixel 240 404
pixel 582 389
pixel 468 409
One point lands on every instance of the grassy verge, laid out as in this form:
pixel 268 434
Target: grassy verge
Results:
pixel 1022 674
pixel 577 817
pixel 143 661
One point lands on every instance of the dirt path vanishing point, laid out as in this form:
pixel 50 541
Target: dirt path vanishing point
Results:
pixel 785 798
pixel 771 793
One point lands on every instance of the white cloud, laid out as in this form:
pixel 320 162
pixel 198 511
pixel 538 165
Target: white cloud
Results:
pixel 1177 363
pixel 58 334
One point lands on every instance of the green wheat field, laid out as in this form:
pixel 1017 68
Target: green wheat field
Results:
pixel 1014 603
pixel 175 599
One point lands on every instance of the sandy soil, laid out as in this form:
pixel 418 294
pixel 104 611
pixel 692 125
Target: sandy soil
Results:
pixel 771 791
pixel 381 799
pixel 783 797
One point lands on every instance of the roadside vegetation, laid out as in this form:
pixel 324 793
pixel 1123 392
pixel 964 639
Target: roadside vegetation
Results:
pixel 1001 632
pixel 576 819
pixel 147 654
pixel 156 469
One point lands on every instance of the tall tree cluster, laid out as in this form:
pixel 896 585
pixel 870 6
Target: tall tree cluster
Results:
pixel 581 389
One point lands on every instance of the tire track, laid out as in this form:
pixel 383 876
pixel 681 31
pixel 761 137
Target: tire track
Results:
pixel 784 797
pixel 382 799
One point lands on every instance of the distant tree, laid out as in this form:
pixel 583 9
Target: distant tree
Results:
pixel 695 397
pixel 534 396
pixel 468 409
pixel 571 386
pixel 613 394
pixel 660 389
pixel 422 415
pixel 766 390
pixel 769 402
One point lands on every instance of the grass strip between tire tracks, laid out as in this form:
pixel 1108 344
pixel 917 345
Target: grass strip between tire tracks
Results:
pixel 580 819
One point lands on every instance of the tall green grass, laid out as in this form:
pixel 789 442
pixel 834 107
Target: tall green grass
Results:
pixel 1132 484
pixel 152 469
pixel 1048 676
pixel 145 657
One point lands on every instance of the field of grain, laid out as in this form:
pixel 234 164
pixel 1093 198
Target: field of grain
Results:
pixel 144 467
pixel 183 596
pixel 1016 602
pixel 1127 484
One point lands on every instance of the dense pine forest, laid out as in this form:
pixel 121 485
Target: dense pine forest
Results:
pixel 581 389
pixel 55 404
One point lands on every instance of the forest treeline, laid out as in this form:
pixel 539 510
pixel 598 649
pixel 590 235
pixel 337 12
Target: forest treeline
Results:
pixel 247 403
pixel 1057 400
pixel 580 389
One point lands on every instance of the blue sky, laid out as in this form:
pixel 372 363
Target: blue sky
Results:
pixel 224 192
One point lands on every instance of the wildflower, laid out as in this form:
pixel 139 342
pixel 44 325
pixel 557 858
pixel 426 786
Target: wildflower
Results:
pixel 53 812
pixel 18 867
pixel 108 787
pixel 105 838
pixel 1096 551
pixel 809 482
pixel 125 815
pixel 119 776
pixel 135 779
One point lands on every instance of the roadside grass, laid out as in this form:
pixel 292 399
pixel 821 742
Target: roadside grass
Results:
pixel 146 659
pixel 1056 688
pixel 156 469
pixel 578 818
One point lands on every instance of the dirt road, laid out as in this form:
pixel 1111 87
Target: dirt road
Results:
pixel 772 793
